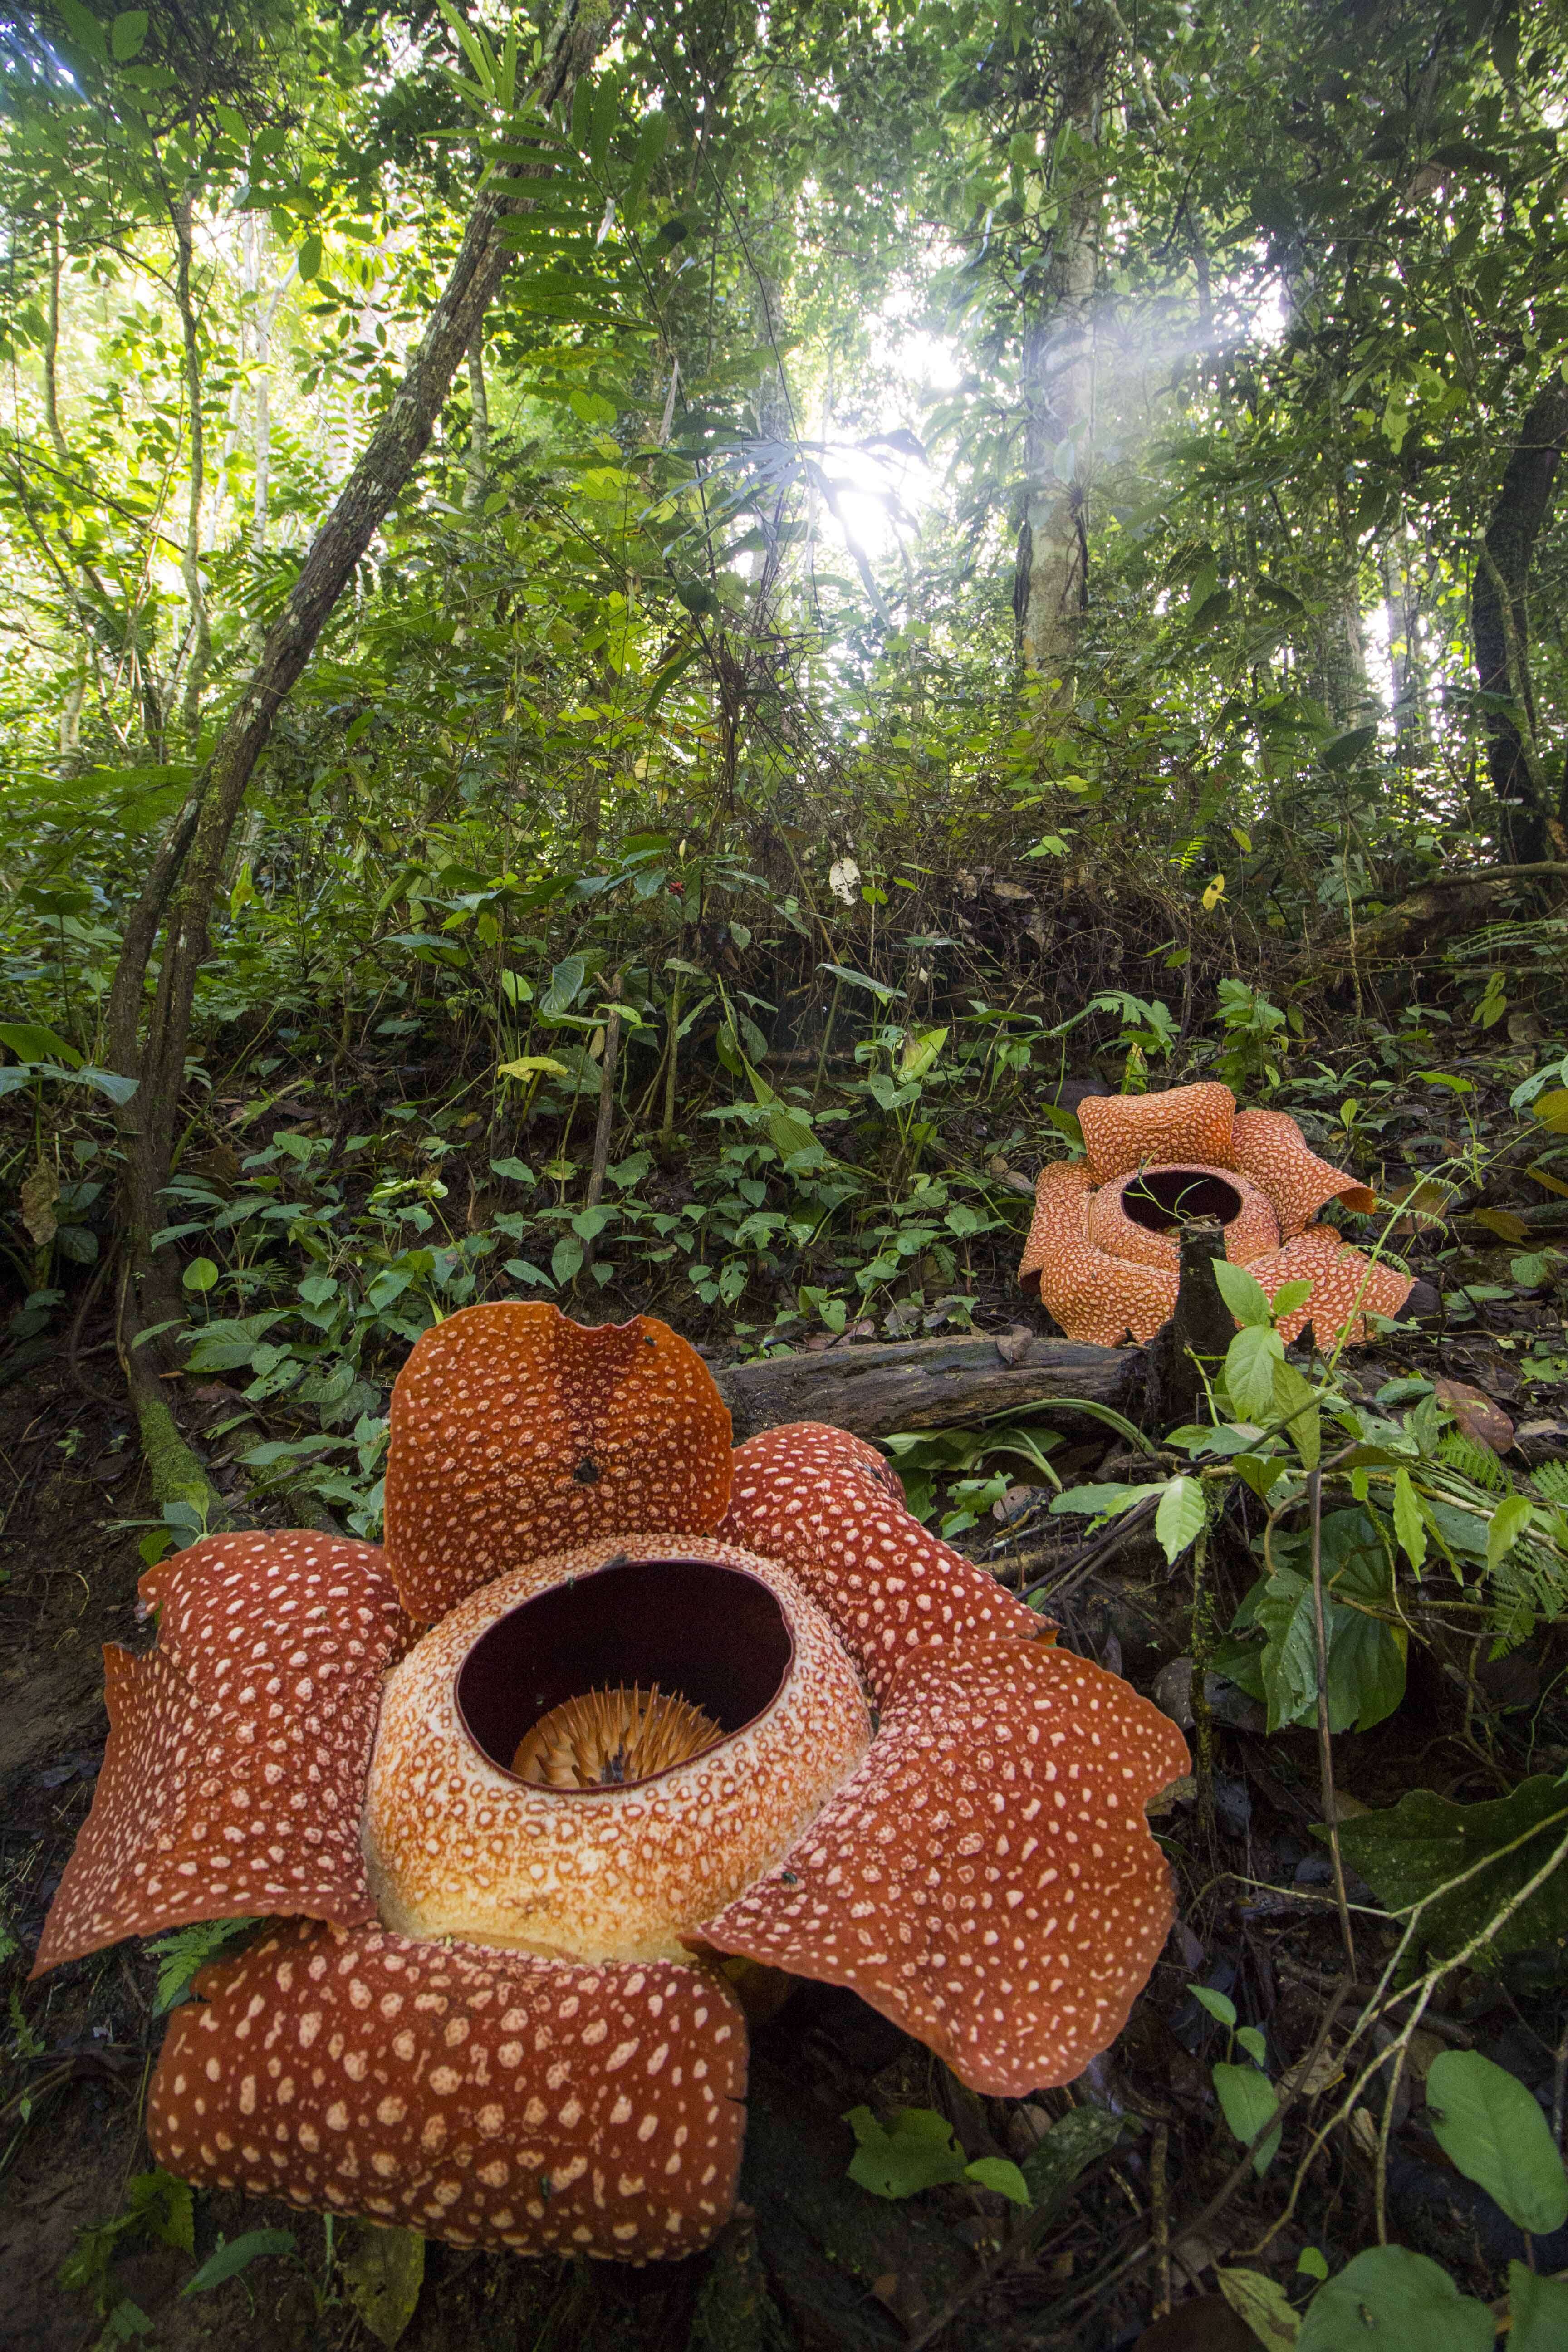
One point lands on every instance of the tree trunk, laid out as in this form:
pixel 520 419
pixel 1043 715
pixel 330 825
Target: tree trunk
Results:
pixel 478 462
pixel 1050 590
pixel 198 635
pixel 925 1383
pixel 178 894
pixel 1499 628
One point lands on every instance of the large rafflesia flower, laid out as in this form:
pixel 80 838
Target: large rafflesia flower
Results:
pixel 1102 1240
pixel 675 1709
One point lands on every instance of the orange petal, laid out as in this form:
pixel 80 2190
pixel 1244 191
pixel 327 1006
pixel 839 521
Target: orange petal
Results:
pixel 1346 1287
pixel 1252 1230
pixel 1100 1298
pixel 1271 1148
pixel 828 1508
pixel 238 1749
pixel 986 1879
pixel 516 1431
pixel 477 2096
pixel 1122 1132
pixel 1060 1211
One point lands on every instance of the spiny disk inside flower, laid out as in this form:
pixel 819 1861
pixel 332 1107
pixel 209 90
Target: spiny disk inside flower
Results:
pixel 609 1737
pixel 612 1703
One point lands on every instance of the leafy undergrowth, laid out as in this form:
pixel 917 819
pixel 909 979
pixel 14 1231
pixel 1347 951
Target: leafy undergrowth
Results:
pixel 1416 2031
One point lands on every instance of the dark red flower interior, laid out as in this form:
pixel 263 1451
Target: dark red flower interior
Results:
pixel 1166 1198
pixel 714 1636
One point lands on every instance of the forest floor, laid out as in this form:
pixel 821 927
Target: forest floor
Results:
pixel 812 2261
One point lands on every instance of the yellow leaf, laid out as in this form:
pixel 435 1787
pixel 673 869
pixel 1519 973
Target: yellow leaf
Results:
pixel 532 1065
pixel 383 2271
pixel 1213 894
pixel 1551 1182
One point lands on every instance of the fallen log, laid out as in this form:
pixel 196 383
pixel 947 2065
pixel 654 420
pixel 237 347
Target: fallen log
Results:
pixel 875 1390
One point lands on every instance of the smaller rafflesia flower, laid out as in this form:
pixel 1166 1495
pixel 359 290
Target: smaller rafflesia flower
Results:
pixel 1103 1236
pixel 615 1715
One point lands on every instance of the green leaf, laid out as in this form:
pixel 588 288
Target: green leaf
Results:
pixel 1073 2142
pixel 1107 1500
pixel 31 1042
pixel 200 1274
pixel 566 1259
pixel 1312 2263
pixel 566 979
pixel 1251 2039
pixel 916 2151
pixel 1219 2005
pixel 254 2246
pixel 1249 1366
pixel 310 257
pixel 1408 1523
pixel 1242 1293
pixel 1181 1516
pixel 997 2172
pixel 1410 1850
pixel 84 26
pixel 1346 748
pixel 1539 2309
pixel 1509 1522
pixel 127 33
pixel 883 994
pixel 384 2271
pixel 1296 1402
pixel 1248 2099
pixel 1290 1296
pixel 1391 2300
pixel 1488 2125
pixel 1261 2303
pixel 165 2208
pixel 921 1047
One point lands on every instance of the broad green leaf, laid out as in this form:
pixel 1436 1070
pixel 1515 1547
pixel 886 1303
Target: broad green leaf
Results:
pixel 1073 2142
pixel 921 1047
pixel 1296 1403
pixel 384 2271
pixel 1261 2303
pixel 84 26
pixel 1408 1524
pixel 1509 1522
pixel 1488 2125
pixel 997 2172
pixel 200 1274
pixel 309 257
pixel 879 989
pixel 127 33
pixel 1248 2099
pixel 1391 2300
pixel 1249 1367
pixel 1243 1293
pixel 1181 1516
pixel 1252 2039
pixel 1107 1500
pixel 1410 1850
pixel 1218 2004
pixel 1537 2308
pixel 565 980
pixel 1290 1296
pixel 238 2255
pixel 566 1259
pixel 31 1042
pixel 915 2151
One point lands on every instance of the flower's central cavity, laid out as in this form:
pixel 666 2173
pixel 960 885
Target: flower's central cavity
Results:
pixel 1166 1198
pixel 591 1757
pixel 610 1679
pixel 607 1737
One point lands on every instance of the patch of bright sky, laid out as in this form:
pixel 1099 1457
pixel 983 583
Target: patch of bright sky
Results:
pixel 882 485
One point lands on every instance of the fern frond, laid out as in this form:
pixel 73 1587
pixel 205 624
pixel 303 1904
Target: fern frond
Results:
pixel 1476 1462
pixel 182 1956
pixel 1551 1480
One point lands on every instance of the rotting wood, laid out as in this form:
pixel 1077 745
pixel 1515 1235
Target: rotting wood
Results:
pixel 876 1390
